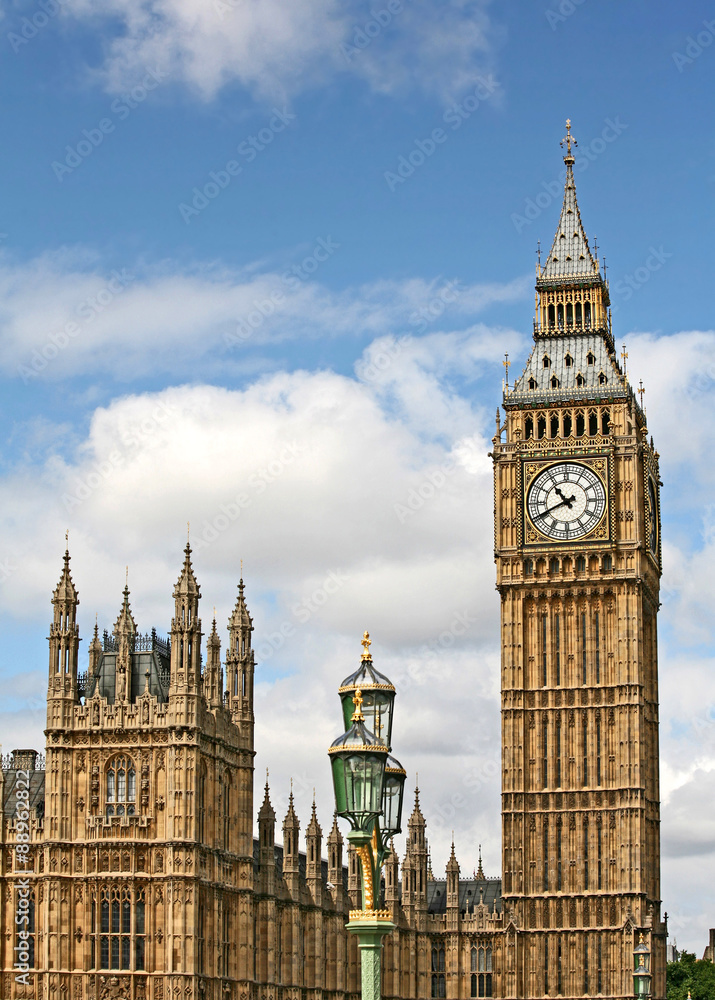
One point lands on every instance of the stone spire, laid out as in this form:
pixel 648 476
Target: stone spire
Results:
pixel 570 254
pixel 480 871
pixel 313 865
pixel 335 859
pixel 125 629
pixel 64 650
pixel 240 666
pixel 213 673
pixel 95 650
pixel 291 854
pixel 186 637
pixel 266 838
pixel 452 890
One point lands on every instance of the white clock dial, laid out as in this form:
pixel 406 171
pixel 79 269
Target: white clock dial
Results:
pixel 566 501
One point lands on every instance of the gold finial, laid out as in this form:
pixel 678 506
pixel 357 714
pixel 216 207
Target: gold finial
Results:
pixel 641 392
pixel 366 642
pixel 568 138
pixel 624 358
pixel 378 725
pixel 67 537
pixel 357 702
pixel 507 364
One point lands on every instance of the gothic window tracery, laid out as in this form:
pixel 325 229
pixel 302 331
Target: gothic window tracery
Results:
pixel 118 929
pixel 438 971
pixel 121 787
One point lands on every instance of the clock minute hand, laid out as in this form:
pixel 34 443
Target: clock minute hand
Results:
pixel 565 502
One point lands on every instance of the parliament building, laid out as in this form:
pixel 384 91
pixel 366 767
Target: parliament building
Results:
pixel 136 863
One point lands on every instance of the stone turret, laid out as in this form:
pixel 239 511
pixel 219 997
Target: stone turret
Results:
pixel 64 651
pixel 291 851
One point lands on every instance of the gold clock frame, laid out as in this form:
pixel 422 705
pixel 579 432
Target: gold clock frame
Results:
pixel 532 537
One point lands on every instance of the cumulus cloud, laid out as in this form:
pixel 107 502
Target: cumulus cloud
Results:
pixel 276 48
pixel 61 315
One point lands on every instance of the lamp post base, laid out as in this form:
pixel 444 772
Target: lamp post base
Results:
pixel 370 926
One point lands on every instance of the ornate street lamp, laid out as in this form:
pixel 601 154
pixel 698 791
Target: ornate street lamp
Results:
pixel 641 969
pixel 369 787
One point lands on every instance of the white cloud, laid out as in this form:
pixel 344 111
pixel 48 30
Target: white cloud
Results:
pixel 383 482
pixel 276 48
pixel 60 315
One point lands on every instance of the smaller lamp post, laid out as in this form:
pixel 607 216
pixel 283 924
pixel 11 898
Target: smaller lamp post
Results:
pixel 641 969
pixel 369 785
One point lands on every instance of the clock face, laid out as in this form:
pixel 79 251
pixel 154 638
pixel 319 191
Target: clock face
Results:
pixel 653 533
pixel 566 501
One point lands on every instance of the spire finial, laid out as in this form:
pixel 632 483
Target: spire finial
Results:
pixel 568 139
pixel 624 358
pixel 641 392
pixel 242 569
pixel 188 532
pixel 366 643
pixel 507 364
pixel 67 538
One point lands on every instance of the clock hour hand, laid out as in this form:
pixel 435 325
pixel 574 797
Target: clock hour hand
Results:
pixel 567 501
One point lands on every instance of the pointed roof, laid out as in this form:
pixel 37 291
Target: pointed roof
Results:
pixel 266 812
pixel 96 642
pixel 291 819
pixel 453 864
pixel 213 637
pixel 125 623
pixel 186 585
pixel 240 617
pixel 335 836
pixel 65 591
pixel 313 828
pixel 416 819
pixel 570 255
pixel 480 870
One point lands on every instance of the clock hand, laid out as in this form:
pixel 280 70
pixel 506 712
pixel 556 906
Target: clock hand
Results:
pixel 565 502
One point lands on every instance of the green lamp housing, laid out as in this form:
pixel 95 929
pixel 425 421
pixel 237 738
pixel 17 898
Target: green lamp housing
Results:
pixel 392 798
pixel 378 699
pixel 358 765
pixel 641 969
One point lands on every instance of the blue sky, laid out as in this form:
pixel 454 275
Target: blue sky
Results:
pixel 321 338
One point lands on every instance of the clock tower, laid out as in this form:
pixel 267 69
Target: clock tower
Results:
pixel 577 548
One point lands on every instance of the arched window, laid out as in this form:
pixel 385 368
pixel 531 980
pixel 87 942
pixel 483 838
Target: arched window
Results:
pixel 201 804
pixel 581 564
pixel 567 425
pixel 528 567
pixel 541 426
pixel 569 314
pixel 602 379
pixel 579 314
pixel 592 422
pixel 553 567
pixel 607 563
pixel 587 314
pixel 560 315
pixel 552 316
pixel 532 383
pixel 528 428
pixel 438 968
pixel 546 361
pixel 554 382
pixel 568 361
pixel 579 380
pixel 121 787
pixel 580 425
pixel 554 426
pixel 591 358
pixel 605 422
